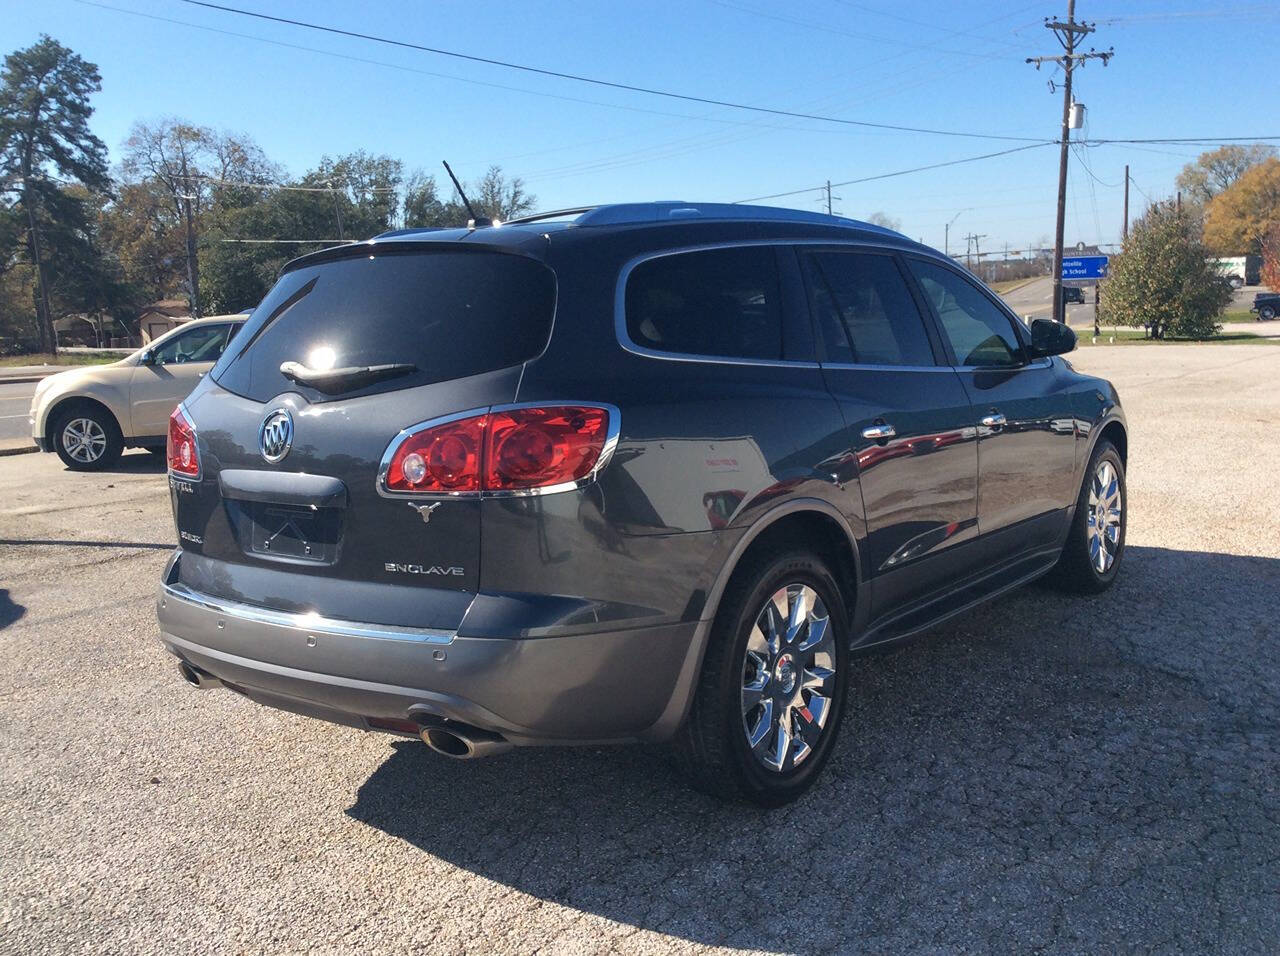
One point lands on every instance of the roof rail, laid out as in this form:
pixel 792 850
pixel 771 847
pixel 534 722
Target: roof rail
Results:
pixel 551 214
pixel 623 213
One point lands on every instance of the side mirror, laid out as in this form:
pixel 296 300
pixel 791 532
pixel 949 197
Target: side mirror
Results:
pixel 148 358
pixel 1051 338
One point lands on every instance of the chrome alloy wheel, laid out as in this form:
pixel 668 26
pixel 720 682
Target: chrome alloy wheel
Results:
pixel 84 440
pixel 788 678
pixel 1106 509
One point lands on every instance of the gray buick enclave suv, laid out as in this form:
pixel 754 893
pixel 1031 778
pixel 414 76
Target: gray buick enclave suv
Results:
pixel 633 472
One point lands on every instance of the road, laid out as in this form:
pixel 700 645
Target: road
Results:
pixel 1035 298
pixel 15 402
pixel 1045 773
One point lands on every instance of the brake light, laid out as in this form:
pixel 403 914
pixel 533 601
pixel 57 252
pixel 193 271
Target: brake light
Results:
pixel 180 447
pixel 514 450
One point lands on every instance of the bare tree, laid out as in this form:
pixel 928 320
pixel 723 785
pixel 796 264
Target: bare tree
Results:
pixel 502 198
pixel 885 221
pixel 193 165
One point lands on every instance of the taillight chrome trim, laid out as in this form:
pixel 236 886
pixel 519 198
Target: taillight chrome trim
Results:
pixel 181 409
pixel 606 453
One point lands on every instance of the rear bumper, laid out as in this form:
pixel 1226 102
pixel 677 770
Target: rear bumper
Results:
pixel 597 687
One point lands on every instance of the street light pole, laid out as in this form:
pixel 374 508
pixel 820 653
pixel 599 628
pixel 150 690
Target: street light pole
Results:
pixel 946 232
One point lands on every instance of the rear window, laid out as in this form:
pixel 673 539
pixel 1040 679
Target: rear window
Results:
pixel 719 302
pixel 449 313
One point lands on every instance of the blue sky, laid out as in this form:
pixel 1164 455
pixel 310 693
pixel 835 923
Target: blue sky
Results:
pixel 1177 73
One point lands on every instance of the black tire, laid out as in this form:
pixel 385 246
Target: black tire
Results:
pixel 1266 313
pixel 1078 570
pixel 87 438
pixel 712 746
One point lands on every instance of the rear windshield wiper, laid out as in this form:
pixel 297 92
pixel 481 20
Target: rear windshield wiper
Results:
pixel 333 381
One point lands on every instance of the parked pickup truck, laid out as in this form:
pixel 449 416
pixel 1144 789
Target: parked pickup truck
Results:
pixel 1267 305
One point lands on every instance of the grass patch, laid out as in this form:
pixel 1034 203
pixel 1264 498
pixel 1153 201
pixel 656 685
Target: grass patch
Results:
pixel 1136 337
pixel 64 358
pixel 1005 286
pixel 1238 315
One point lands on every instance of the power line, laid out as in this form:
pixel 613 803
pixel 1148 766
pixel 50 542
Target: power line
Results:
pixel 827 28
pixel 900 172
pixel 595 81
pixel 1190 140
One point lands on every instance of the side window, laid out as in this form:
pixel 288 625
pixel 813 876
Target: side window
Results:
pixel 203 344
pixel 865 313
pixel 720 302
pixel 979 333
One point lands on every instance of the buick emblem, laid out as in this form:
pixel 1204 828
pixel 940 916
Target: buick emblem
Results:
pixel 275 437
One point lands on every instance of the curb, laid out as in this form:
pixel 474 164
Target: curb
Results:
pixel 18 450
pixel 25 380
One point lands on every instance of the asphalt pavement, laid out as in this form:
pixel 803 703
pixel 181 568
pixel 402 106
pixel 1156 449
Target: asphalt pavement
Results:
pixel 1046 773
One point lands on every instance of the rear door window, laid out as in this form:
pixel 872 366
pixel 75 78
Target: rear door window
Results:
pixel 448 313
pixel 713 302
pixel 864 311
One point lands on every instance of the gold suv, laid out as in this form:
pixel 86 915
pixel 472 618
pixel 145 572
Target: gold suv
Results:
pixel 90 415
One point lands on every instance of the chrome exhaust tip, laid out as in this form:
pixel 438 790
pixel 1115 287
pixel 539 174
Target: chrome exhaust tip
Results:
pixel 197 678
pixel 463 743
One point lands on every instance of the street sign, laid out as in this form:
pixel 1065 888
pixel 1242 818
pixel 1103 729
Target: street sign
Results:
pixel 1085 267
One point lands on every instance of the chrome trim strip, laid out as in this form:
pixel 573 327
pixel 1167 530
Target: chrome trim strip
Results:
pixel 620 298
pixel 857 367
pixel 606 453
pixel 312 623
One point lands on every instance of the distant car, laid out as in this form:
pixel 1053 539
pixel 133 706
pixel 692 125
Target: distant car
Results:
pixel 1235 281
pixel 90 415
pixel 1267 305
pixel 1071 293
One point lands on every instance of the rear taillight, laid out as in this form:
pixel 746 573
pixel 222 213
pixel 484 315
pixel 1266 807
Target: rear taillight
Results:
pixel 180 448
pixel 440 460
pixel 523 450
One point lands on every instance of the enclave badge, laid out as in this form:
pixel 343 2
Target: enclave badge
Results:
pixel 275 437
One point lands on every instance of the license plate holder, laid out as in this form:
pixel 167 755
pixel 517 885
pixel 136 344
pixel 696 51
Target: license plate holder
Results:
pixel 291 532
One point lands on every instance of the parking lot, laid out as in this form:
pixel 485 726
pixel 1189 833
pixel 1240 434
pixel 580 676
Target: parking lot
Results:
pixel 1043 773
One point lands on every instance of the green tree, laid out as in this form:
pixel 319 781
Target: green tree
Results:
pixel 1162 281
pixel 1218 169
pixel 1237 219
pixel 45 143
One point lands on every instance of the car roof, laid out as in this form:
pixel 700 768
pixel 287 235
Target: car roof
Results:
pixel 531 234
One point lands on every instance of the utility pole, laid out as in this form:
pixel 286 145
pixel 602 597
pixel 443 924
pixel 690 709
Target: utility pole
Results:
pixel 971 245
pixel 828 197
pixel 1068 33
pixel 1124 233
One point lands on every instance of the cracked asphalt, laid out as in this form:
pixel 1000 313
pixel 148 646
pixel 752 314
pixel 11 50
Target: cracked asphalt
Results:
pixel 1045 773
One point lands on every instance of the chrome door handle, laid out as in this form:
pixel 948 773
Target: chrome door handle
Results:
pixel 879 431
pixel 994 420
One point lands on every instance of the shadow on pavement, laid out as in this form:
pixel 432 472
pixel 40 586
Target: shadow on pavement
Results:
pixel 134 462
pixel 9 611
pixel 1045 770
